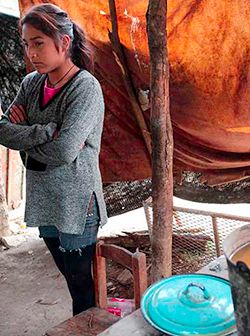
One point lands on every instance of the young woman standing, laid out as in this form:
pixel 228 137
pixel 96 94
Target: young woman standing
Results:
pixel 56 123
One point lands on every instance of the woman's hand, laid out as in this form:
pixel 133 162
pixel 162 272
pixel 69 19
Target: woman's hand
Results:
pixel 56 134
pixel 17 114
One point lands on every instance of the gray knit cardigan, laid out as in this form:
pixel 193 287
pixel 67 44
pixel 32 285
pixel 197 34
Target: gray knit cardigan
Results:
pixel 61 175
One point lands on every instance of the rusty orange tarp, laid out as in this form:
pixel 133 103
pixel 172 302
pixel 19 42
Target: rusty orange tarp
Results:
pixel 209 55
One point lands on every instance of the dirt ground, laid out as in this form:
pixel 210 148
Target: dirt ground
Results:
pixel 34 295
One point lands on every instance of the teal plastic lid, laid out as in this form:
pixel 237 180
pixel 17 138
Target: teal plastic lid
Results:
pixel 192 304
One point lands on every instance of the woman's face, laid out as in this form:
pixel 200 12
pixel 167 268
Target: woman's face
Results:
pixel 41 50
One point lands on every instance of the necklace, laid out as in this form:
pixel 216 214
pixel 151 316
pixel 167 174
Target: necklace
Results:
pixel 54 84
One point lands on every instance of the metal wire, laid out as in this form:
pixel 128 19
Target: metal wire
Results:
pixel 197 236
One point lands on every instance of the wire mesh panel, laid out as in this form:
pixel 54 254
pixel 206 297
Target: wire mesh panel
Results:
pixel 122 197
pixel 227 226
pixel 197 236
pixel 193 244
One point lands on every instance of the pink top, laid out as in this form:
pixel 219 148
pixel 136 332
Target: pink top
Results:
pixel 48 93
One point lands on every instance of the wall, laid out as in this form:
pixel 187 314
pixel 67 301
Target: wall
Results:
pixel 13 176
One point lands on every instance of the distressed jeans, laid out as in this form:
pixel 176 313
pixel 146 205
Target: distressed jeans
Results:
pixel 73 256
pixel 76 241
pixel 76 268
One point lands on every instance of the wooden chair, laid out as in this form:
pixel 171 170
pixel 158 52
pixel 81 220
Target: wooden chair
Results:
pixel 95 320
pixel 135 262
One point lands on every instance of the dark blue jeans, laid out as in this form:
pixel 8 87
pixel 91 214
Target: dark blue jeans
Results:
pixel 73 256
pixel 76 241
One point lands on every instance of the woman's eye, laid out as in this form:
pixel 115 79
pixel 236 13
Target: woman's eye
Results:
pixel 38 44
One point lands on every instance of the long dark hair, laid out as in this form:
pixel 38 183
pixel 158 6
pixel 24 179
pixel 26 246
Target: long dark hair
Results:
pixel 55 22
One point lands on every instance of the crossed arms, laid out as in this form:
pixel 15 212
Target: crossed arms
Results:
pixel 42 142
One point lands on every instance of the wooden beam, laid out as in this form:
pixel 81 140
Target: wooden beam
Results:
pixel 121 61
pixel 162 141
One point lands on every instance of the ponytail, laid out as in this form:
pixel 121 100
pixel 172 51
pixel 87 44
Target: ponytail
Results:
pixel 81 53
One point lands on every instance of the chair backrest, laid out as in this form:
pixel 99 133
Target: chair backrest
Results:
pixel 135 262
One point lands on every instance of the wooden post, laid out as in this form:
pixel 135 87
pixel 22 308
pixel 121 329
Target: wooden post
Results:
pixel 99 273
pixel 4 223
pixel 139 269
pixel 162 141
pixel 216 236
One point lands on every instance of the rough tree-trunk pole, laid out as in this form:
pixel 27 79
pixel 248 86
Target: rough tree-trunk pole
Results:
pixel 162 141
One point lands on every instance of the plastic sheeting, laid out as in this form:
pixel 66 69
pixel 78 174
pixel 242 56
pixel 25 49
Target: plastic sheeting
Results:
pixel 209 55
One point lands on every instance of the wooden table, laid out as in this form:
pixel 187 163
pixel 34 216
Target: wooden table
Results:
pixel 136 325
